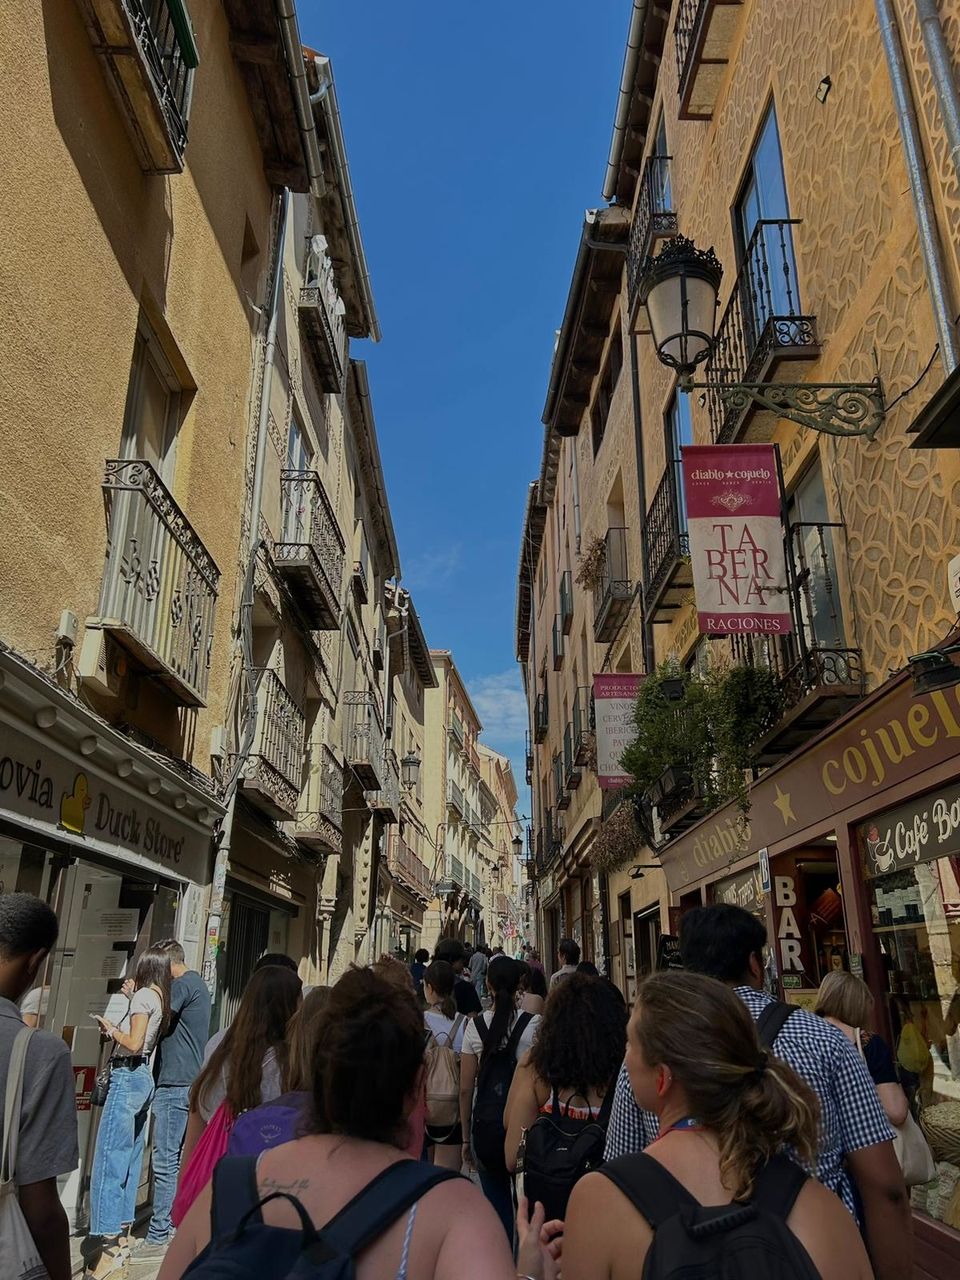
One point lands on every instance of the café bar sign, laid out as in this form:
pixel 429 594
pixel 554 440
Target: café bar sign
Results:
pixel 919 831
pixel 734 524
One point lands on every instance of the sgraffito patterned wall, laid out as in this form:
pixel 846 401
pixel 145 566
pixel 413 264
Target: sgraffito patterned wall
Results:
pixel 861 275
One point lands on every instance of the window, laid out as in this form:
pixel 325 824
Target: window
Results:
pixel 152 413
pixel 600 408
pixel 679 432
pixel 816 562
pixel 299 458
pixel 766 252
pixel 660 172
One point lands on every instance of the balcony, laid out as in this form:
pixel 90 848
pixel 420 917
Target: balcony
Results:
pixel 653 219
pixel 273 772
pixel 320 826
pixel 557 643
pixel 761 327
pixel 571 770
pixel 322 321
pixel 679 799
pixel 668 578
pixel 704 33
pixel 456 731
pixel 363 737
pixel 583 726
pixel 455 800
pixel 541 718
pixel 379 651
pixel 309 556
pixel 566 601
pixel 386 801
pixel 528 772
pixel 820 677
pixel 613 594
pixel 159 590
pixel 410 870
pixel 561 795
pixel 358 581
pixel 149 56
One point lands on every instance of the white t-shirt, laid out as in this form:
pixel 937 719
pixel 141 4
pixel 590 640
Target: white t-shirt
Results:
pixel 145 1001
pixel 473 1044
pixel 271 1085
pixel 440 1026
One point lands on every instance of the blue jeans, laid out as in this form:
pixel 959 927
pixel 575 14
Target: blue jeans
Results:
pixel 119 1154
pixel 497 1188
pixel 171 1104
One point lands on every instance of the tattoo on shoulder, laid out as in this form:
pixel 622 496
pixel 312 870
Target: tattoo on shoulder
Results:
pixel 271 1185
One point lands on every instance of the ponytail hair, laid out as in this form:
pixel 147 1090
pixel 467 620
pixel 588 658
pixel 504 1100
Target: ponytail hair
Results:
pixel 440 976
pixel 753 1101
pixel 503 978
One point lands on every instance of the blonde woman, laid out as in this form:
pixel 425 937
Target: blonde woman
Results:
pixel 847 1002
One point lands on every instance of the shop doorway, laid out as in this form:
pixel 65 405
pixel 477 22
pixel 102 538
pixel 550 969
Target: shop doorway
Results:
pixel 808 920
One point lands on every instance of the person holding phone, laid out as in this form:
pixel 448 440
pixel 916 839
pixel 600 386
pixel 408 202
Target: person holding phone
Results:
pixel 123 1128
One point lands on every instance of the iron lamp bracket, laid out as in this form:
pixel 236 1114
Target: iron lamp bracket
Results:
pixel 835 408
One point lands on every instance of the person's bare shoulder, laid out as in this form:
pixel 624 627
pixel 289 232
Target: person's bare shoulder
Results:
pixel 473 1243
pixel 825 1228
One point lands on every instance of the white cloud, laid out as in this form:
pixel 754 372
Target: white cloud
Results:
pixel 501 706
pixel 433 569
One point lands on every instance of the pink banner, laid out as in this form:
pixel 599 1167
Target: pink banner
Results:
pixel 614 699
pixel 736 539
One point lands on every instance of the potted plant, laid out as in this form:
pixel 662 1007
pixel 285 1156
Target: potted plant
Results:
pixel 618 841
pixel 592 563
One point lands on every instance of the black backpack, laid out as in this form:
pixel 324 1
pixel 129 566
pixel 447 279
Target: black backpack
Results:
pixel 739 1241
pixel 493 1084
pixel 557 1150
pixel 244 1247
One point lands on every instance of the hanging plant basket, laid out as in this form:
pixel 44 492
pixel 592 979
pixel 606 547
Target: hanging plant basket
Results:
pixel 592 563
pixel 619 840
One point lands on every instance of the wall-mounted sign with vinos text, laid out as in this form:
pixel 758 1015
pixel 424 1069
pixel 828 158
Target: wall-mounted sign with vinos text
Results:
pixel 614 699
pixel 733 509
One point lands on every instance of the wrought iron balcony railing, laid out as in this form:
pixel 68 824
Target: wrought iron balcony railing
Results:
pixel 704 32
pixel 455 799
pixel 582 724
pixel 761 325
pixel 528 761
pixel 613 594
pixel 358 580
pixel 571 769
pixel 404 863
pixel 322 319
pixel 149 56
pixel 273 773
pixel 541 718
pixel 456 731
pixel 309 555
pixel 386 800
pixel 667 547
pixel 566 601
pixel 363 737
pixel 320 823
pixel 653 219
pixel 561 795
pixel 558 639
pixel 159 588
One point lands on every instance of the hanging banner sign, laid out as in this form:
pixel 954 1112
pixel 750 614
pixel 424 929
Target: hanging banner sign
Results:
pixel 736 539
pixel 614 698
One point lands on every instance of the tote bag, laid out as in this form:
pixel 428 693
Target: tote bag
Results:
pixel 19 1259
pixel 203 1159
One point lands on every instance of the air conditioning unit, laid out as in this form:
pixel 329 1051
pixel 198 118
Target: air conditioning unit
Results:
pixel 104 666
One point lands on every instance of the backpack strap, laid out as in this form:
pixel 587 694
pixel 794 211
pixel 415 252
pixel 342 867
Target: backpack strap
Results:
pixel 649 1188
pixel 235 1193
pixel 519 1027
pixel 778 1184
pixel 772 1021
pixel 380 1203
pixel 606 1106
pixel 458 1022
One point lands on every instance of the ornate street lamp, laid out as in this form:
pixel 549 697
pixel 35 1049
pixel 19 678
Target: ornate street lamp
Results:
pixel 517 843
pixel 679 289
pixel 410 770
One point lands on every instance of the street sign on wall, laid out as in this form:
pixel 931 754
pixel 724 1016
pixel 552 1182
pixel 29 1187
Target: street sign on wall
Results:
pixel 614 697
pixel 732 495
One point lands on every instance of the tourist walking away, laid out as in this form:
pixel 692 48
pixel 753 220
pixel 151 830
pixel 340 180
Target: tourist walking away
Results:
pixel 271 960
pixel 493 1044
pixel 568 953
pixel 418 967
pixel 847 1002
pixel 284 1118
pixel 45 1132
pixel 445 1028
pixel 464 992
pixel 176 1064
pixel 559 1102
pixel 479 962
pixel 532 988
pixel 716 1194
pixel 406 1219
pixel 244 1070
pixel 855 1156
pixel 121 1136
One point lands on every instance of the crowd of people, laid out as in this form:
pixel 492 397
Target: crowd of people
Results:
pixel 709 1122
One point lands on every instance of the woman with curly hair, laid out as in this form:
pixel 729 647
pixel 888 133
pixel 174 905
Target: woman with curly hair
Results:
pixel 564 1085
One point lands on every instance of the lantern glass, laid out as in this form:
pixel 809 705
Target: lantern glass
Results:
pixel 517 843
pixel 679 289
pixel 410 770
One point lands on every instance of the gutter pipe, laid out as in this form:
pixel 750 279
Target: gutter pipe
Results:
pixel 297 71
pixel 930 244
pixel 941 68
pixel 631 58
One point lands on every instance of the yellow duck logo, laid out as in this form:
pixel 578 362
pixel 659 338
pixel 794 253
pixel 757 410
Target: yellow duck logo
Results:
pixel 74 806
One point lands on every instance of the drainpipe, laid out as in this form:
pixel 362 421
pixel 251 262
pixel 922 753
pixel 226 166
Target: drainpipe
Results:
pixel 930 245
pixel 631 58
pixel 941 68
pixel 297 71
pixel 245 628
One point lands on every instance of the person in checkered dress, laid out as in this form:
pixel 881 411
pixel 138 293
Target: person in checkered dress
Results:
pixel 856 1158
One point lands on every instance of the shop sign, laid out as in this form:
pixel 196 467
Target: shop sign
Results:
pixel 736 539
pixel 919 831
pixel 668 952
pixel 745 890
pixel 83 1079
pixel 764 871
pixel 76 801
pixel 614 699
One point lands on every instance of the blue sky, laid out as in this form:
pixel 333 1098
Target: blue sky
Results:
pixel 477 136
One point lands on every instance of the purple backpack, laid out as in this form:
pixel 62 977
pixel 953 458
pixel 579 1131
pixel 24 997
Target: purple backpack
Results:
pixel 269 1125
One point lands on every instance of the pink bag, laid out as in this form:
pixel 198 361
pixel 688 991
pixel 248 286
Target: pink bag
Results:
pixel 203 1159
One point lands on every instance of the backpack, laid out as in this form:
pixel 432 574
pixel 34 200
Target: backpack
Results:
pixel 738 1241
pixel 493 1084
pixel 443 1077
pixel 243 1247
pixel 557 1150
pixel 269 1125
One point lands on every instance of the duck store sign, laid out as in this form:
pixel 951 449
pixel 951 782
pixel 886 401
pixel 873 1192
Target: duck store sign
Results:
pixel 919 831
pixel 77 802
